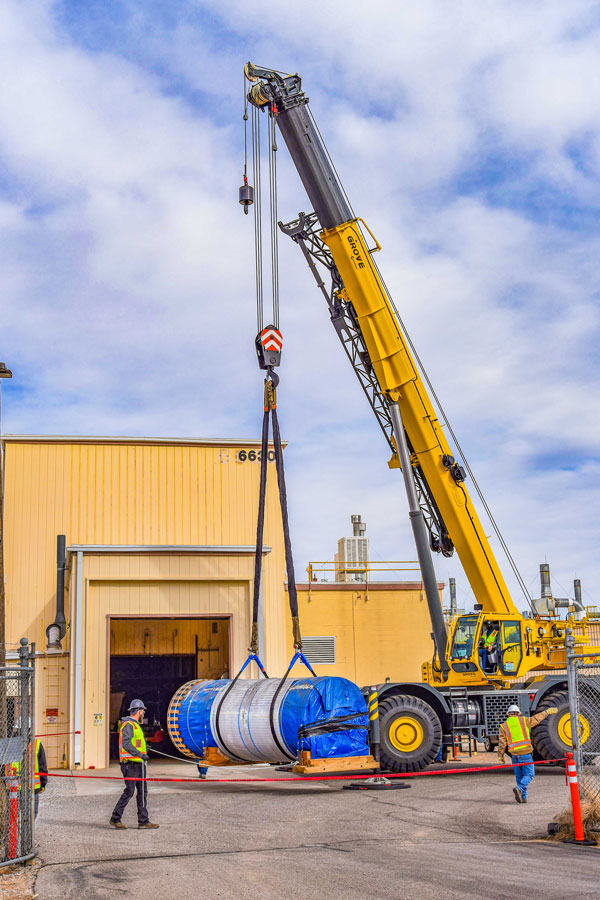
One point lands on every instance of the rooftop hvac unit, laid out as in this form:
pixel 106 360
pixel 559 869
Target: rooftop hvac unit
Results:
pixel 352 558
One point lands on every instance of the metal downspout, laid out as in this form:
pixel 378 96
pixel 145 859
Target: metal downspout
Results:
pixel 77 687
pixel 61 563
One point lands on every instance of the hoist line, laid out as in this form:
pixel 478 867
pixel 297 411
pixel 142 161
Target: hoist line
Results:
pixel 245 117
pixel 258 252
pixel 273 213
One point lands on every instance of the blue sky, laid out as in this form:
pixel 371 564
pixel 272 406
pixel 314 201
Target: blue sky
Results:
pixel 470 143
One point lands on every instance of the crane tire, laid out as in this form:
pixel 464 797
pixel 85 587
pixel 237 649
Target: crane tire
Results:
pixel 551 738
pixel 411 733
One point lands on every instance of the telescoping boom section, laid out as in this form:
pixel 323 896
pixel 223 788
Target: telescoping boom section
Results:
pixel 398 378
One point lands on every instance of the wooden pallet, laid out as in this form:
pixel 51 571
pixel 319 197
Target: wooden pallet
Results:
pixel 308 766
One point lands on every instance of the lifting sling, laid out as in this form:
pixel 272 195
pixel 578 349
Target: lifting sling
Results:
pixel 270 412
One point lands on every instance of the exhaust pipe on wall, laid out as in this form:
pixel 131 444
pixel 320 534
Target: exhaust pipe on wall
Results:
pixel 57 630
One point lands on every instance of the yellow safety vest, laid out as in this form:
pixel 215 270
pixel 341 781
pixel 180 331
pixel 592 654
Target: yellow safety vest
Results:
pixel 14 769
pixel 138 740
pixel 518 736
pixel 489 639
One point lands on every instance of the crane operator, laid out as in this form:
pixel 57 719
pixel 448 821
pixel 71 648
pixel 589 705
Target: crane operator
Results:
pixel 488 648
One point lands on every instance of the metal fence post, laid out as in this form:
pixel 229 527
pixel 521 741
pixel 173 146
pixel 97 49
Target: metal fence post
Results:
pixel 573 698
pixel 17 750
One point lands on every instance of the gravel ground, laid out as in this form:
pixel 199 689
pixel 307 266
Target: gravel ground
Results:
pixel 460 837
pixel 17 882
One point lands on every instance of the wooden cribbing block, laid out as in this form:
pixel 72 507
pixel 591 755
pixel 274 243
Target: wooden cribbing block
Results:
pixel 213 757
pixel 308 766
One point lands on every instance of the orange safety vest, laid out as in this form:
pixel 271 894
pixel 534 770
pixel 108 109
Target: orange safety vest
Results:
pixel 518 736
pixel 14 769
pixel 138 740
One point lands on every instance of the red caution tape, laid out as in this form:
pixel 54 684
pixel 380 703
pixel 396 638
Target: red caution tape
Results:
pixel 56 733
pixel 545 762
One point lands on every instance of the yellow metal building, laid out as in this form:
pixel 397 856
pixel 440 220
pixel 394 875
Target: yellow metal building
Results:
pixel 160 537
pixel 368 633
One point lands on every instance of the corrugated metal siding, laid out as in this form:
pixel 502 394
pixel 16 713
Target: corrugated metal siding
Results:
pixel 119 494
pixel 378 633
pixel 128 493
pixel 139 586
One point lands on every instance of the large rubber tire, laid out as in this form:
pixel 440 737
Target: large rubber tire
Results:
pixel 411 733
pixel 549 738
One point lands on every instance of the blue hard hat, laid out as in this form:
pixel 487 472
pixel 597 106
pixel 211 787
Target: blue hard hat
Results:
pixel 135 705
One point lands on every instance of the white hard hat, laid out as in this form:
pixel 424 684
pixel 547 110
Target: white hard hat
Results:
pixel 513 708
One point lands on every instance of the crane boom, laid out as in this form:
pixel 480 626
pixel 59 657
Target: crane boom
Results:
pixel 489 658
pixel 359 293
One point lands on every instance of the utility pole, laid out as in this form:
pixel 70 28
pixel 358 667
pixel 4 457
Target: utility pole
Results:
pixel 4 373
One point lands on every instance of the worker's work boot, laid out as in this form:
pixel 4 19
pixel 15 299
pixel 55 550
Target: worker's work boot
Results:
pixel 517 794
pixel 523 798
pixel 148 825
pixel 117 824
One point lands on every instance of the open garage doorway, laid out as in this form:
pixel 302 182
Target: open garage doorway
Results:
pixel 151 657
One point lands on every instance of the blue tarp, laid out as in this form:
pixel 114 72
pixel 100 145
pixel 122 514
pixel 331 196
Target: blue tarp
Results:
pixel 303 701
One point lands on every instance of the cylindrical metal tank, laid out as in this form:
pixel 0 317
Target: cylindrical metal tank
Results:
pixel 247 726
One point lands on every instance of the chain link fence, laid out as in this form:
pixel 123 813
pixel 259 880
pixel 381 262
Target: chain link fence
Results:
pixel 17 748
pixel 583 673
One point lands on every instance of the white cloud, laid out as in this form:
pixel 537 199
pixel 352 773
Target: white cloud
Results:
pixel 126 267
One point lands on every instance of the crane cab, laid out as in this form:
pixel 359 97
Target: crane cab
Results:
pixel 489 645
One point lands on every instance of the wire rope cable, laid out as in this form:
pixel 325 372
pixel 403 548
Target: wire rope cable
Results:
pixel 245 119
pixel 258 251
pixel 436 399
pixel 331 162
pixel 273 213
pixel 478 490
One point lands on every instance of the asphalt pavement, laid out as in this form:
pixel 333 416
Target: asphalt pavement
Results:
pixel 453 836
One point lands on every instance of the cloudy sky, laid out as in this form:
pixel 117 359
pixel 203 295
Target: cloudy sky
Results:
pixel 467 135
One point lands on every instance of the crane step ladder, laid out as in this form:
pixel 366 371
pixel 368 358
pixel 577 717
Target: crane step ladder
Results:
pixel 459 697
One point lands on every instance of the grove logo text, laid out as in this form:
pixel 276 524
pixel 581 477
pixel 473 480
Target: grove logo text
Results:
pixel 356 254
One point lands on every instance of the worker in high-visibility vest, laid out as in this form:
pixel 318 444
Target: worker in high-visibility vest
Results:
pixel 133 758
pixel 515 738
pixel 40 778
pixel 11 778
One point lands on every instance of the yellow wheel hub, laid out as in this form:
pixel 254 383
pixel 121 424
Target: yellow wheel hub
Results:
pixel 564 729
pixel 406 734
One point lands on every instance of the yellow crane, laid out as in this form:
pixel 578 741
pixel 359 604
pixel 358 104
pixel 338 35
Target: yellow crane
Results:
pixel 476 670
